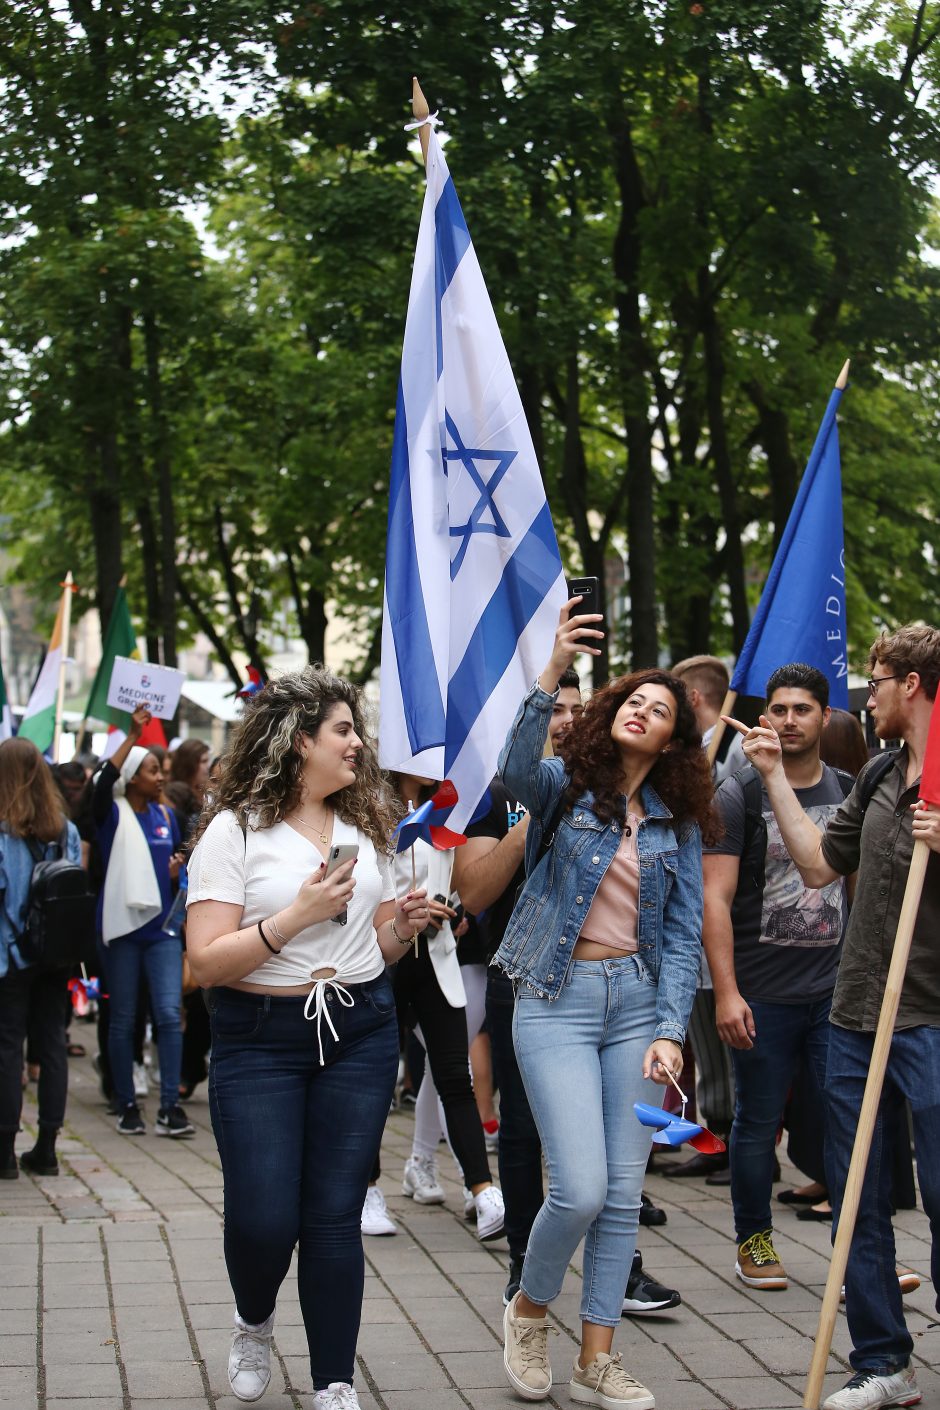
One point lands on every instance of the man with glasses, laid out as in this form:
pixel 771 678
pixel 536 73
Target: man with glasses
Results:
pixel 875 835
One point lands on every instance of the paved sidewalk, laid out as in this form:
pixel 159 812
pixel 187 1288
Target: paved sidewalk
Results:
pixel 113 1291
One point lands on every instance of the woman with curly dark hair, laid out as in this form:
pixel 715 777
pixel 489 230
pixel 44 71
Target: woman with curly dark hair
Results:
pixel 280 941
pixel 604 946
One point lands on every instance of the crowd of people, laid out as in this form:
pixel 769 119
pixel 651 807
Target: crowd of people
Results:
pixel 631 910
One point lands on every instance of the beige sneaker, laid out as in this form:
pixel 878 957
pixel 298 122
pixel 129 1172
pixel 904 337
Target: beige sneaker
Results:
pixel 525 1354
pixel 605 1383
pixel 758 1264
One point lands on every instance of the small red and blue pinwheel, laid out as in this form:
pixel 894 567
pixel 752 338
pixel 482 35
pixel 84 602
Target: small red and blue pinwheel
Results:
pixel 427 823
pixel 672 1130
pixel 254 683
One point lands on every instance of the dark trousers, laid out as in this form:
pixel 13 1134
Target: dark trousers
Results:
pixel 880 1339
pixel 34 1000
pixel 445 1038
pixel 297 1143
pixel 520 1150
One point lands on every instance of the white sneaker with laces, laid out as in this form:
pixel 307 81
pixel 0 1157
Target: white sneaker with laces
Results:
pixel 869 1390
pixel 337 1396
pixel 375 1215
pixel 469 1205
pixel 141 1081
pixel 420 1181
pixel 491 1214
pixel 249 1361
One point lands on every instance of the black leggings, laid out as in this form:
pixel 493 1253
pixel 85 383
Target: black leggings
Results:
pixel 418 995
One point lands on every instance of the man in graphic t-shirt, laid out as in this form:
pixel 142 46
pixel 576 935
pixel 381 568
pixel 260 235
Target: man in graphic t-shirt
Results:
pixel 773 947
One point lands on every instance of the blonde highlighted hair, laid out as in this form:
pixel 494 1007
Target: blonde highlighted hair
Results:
pixel 261 773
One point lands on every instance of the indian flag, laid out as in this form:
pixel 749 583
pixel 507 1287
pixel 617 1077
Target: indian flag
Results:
pixel 39 720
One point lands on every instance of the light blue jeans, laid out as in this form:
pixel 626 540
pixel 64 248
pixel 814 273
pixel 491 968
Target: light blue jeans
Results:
pixel 581 1058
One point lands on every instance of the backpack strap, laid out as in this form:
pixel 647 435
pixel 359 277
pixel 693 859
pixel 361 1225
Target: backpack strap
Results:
pixel 755 828
pixel 874 773
pixel 844 779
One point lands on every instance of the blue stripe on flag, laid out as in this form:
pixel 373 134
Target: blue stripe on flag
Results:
pixel 521 590
pixel 421 696
pixel 451 242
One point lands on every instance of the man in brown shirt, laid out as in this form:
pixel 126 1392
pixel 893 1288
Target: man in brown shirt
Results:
pixel 878 840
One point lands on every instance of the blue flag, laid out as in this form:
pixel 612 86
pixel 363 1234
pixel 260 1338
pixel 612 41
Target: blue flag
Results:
pixel 801 614
pixel 473 576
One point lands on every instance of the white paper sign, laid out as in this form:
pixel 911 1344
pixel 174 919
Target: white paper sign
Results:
pixel 134 682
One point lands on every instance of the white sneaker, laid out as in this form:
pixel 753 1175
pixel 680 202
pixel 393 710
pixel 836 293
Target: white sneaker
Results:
pixel 869 1390
pixel 375 1216
pixel 491 1214
pixel 141 1081
pixel 420 1181
pixel 469 1205
pixel 337 1396
pixel 249 1361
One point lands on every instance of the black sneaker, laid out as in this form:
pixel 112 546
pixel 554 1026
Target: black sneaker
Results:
pixel 131 1122
pixel 644 1295
pixel 173 1121
pixel 515 1280
pixel 650 1214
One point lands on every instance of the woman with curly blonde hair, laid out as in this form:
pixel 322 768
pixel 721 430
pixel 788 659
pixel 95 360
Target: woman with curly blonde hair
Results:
pixel 292 956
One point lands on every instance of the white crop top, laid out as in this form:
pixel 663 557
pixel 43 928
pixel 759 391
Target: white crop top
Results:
pixel 262 872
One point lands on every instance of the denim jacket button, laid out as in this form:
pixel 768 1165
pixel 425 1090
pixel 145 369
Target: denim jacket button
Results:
pixel 579 900
pixel 550 978
pixel 563 940
pixel 595 860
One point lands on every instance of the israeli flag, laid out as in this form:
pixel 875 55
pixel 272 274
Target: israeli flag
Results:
pixel 801 614
pixel 473 577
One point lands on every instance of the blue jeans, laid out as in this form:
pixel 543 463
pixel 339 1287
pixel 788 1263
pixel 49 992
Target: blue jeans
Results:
pixel 581 1057
pixel 161 961
pixel 873 1305
pixel 786 1033
pixel 520 1150
pixel 297 1143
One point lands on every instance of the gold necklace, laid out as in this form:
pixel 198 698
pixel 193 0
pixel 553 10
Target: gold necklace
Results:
pixel 323 836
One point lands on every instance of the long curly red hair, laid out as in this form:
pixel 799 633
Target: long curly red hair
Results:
pixel 681 776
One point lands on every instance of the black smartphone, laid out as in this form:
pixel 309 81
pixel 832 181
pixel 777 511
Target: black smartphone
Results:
pixel 589 592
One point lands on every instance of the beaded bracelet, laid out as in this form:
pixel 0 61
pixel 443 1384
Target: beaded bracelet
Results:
pixel 407 940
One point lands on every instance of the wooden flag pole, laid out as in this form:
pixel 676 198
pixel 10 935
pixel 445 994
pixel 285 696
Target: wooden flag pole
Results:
pixel 866 1124
pixel 719 732
pixel 67 590
pixel 419 106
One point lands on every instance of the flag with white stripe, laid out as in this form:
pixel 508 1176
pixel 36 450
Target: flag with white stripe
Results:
pixel 473 576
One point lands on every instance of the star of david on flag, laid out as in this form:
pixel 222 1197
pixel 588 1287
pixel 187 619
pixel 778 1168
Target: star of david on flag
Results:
pixel 473 576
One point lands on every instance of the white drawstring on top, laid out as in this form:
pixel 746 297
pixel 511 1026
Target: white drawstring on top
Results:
pixel 321 1005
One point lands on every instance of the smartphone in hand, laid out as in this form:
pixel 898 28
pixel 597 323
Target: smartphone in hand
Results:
pixel 588 589
pixel 339 853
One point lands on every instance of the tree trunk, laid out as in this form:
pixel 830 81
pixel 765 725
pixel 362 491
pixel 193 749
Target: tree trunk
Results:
pixel 311 610
pixel 633 367
pixel 773 433
pixel 574 490
pixel 164 475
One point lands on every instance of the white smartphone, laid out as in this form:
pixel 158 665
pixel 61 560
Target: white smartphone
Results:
pixel 339 853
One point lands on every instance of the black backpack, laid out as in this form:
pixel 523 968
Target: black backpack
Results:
pixel 60 928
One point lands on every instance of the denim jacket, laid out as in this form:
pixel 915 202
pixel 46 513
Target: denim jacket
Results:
pixel 557 896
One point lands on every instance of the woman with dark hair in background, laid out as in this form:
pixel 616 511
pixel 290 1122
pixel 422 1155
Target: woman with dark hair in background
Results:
pixel 842 745
pixel 186 789
pixel 33 826
pixel 304 1031
pixel 604 946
